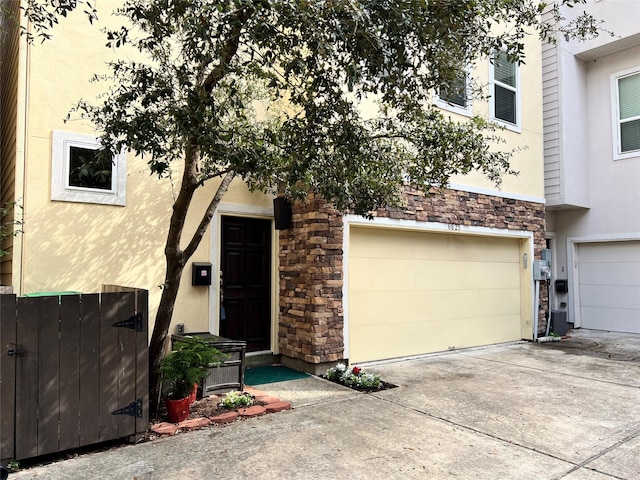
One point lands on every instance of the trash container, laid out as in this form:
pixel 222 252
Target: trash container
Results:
pixel 230 375
pixel 559 322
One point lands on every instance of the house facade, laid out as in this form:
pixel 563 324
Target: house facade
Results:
pixel 450 270
pixel 592 171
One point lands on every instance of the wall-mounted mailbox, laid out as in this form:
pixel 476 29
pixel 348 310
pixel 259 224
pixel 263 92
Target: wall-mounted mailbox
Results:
pixel 201 273
pixel 562 286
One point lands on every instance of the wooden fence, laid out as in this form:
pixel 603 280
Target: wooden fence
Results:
pixel 73 371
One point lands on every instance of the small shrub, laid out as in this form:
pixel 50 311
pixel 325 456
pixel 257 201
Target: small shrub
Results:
pixel 236 399
pixel 187 365
pixel 334 374
pixel 353 377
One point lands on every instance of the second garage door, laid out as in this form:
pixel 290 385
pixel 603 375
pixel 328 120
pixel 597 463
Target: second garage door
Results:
pixel 609 282
pixel 413 292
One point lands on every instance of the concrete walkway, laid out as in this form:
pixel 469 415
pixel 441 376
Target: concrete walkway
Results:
pixel 567 410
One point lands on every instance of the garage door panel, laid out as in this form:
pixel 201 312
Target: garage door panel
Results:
pixel 431 274
pixel 367 341
pixel 609 273
pixel 398 244
pixel 620 252
pixel 415 292
pixel 610 296
pixel 410 307
pixel 615 320
pixel 609 286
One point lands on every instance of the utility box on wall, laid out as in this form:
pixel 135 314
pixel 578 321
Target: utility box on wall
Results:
pixel 201 274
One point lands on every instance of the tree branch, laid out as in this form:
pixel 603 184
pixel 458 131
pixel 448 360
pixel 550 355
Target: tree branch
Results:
pixel 229 51
pixel 208 215
pixel 181 205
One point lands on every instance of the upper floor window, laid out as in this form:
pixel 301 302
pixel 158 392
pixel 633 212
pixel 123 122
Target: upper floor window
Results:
pixel 627 114
pixel 79 175
pixel 456 97
pixel 505 101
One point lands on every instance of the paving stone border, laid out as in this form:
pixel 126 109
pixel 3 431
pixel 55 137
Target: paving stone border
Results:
pixel 270 404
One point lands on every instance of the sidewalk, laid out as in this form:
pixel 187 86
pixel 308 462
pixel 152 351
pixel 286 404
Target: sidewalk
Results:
pixel 520 411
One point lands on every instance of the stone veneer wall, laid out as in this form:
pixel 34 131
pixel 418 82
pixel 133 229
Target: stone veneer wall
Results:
pixel 311 320
pixel 311 317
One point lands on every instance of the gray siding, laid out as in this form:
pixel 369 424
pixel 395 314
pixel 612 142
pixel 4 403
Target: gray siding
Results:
pixel 551 118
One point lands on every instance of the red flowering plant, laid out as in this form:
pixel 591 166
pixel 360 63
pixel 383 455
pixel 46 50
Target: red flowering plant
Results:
pixel 354 377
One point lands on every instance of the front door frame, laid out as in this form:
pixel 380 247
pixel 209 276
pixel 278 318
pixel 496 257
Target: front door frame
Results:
pixel 248 211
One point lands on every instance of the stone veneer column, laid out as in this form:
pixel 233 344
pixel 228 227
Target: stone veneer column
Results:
pixel 311 321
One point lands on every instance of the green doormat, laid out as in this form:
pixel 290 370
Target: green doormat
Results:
pixel 270 374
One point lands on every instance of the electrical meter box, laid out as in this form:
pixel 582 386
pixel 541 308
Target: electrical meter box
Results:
pixel 541 270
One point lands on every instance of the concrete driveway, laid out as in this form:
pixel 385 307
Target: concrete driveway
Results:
pixel 568 410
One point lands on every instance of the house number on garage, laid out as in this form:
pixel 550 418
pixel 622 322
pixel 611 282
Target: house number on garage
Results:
pixel 453 227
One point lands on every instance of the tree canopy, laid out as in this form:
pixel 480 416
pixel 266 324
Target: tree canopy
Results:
pixel 273 91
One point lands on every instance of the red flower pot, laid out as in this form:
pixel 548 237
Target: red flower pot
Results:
pixel 177 410
pixel 194 394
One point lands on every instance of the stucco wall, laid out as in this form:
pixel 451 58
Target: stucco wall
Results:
pixel 528 160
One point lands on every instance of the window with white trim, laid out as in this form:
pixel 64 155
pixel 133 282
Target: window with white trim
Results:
pixel 627 114
pixel 457 96
pixel 78 174
pixel 505 95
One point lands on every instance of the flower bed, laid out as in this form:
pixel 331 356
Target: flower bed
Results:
pixel 354 377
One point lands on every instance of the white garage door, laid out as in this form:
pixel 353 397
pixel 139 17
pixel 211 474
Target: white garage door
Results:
pixel 414 292
pixel 609 283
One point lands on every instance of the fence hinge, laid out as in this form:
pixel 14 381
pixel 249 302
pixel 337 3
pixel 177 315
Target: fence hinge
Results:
pixel 134 323
pixel 134 409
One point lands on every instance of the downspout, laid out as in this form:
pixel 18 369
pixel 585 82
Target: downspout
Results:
pixel 536 306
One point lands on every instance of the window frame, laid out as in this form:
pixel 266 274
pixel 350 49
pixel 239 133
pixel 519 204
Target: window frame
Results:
pixel 517 126
pixel 62 142
pixel 453 107
pixel 618 154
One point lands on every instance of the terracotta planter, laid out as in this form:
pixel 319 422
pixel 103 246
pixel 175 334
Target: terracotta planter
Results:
pixel 177 410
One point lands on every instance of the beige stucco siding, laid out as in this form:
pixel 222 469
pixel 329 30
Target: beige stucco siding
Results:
pixel 525 140
pixel 413 292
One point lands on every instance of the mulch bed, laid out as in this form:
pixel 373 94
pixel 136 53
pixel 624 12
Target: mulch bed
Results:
pixel 383 386
pixel 206 407
pixel 210 407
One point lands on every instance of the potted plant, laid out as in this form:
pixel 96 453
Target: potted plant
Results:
pixel 182 369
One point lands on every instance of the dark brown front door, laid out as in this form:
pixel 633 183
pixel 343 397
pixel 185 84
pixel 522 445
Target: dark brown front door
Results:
pixel 246 281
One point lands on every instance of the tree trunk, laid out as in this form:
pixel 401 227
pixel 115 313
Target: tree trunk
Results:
pixel 161 327
pixel 176 260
